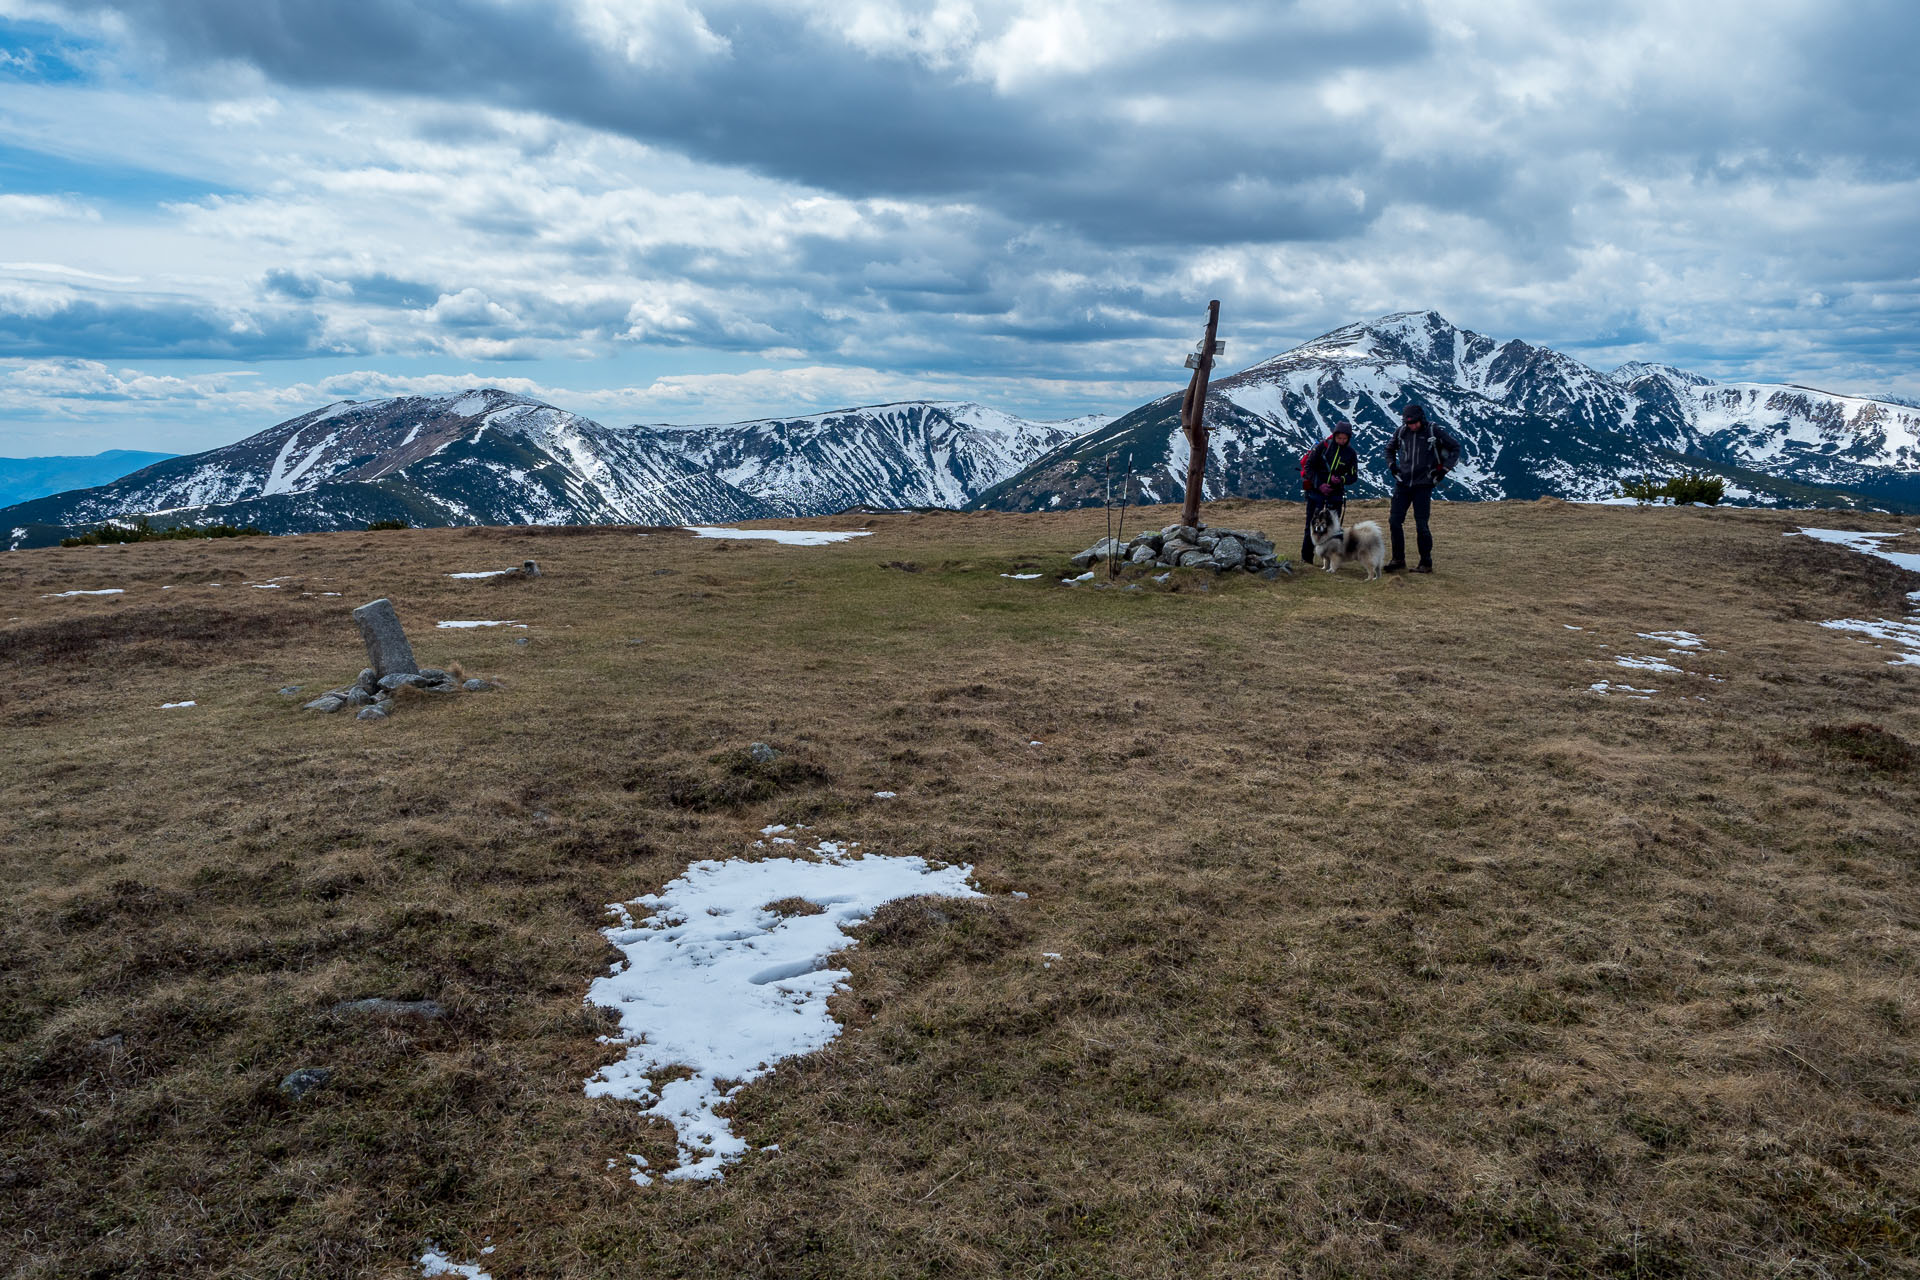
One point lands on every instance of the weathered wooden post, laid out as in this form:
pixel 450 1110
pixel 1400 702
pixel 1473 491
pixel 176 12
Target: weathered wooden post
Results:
pixel 1193 416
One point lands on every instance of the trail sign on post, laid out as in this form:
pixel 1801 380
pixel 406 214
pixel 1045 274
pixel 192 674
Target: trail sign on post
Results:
pixel 1193 414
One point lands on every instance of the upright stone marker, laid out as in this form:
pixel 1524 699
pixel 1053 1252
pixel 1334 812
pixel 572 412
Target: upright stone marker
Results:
pixel 387 647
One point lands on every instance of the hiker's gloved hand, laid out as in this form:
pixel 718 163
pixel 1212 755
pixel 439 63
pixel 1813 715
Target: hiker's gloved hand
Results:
pixel 1326 491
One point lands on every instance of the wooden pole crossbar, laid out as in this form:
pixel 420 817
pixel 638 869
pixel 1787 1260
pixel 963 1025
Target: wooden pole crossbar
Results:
pixel 1193 418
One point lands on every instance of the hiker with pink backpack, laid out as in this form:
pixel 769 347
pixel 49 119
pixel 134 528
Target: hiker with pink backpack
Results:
pixel 1325 472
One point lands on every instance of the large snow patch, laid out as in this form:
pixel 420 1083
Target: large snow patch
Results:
pixel 789 537
pixel 1904 634
pixel 714 982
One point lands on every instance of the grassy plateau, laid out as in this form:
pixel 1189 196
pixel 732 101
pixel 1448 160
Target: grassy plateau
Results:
pixel 1386 947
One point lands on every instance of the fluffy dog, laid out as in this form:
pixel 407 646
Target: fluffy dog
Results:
pixel 1333 545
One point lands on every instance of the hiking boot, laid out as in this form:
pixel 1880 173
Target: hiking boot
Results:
pixel 1393 566
pixel 1421 568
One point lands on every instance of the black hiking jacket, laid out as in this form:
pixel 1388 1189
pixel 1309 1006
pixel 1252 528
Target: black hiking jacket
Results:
pixel 1417 458
pixel 1335 463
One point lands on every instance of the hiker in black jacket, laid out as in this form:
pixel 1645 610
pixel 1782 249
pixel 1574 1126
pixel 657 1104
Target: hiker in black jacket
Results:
pixel 1419 456
pixel 1325 473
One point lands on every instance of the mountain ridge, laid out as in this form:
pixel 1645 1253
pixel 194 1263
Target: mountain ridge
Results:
pixel 486 456
pixel 1534 422
pixel 24 479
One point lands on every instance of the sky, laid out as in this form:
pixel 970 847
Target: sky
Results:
pixel 218 214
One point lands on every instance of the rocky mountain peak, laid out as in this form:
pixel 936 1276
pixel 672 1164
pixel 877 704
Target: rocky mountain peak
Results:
pixel 1635 370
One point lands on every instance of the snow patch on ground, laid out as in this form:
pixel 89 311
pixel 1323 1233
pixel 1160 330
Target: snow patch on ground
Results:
pixel 435 1263
pixel 786 537
pixel 1865 543
pixel 1676 641
pixel 1904 634
pixel 1647 664
pixel 1605 688
pixel 1022 577
pixel 169 706
pixel 104 591
pixel 465 626
pixel 715 982
pixel 1880 630
pixel 481 573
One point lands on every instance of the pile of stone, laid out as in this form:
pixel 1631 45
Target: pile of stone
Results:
pixel 1183 546
pixel 393 669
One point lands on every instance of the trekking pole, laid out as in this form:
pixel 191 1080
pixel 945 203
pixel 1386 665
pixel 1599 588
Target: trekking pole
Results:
pixel 1106 509
pixel 1126 496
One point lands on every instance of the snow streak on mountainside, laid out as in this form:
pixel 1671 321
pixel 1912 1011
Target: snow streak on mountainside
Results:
pixel 893 455
pixel 1532 421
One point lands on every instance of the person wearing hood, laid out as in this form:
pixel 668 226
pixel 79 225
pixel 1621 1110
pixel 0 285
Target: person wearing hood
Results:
pixel 1419 456
pixel 1325 473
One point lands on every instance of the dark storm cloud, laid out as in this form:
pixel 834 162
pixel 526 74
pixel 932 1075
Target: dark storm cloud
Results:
pixel 788 100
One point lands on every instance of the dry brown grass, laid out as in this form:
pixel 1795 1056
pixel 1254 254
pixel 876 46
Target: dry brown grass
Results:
pixel 1387 949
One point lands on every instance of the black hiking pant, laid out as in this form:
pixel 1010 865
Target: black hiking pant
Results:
pixel 1421 500
pixel 1315 505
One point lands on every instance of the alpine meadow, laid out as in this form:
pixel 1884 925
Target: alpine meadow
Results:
pixel 980 639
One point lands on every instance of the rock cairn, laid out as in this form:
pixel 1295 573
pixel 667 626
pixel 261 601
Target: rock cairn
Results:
pixel 393 668
pixel 1182 546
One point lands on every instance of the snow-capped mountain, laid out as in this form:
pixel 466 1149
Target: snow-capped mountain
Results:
pixel 1533 422
pixel 487 457
pixel 478 457
pixel 916 454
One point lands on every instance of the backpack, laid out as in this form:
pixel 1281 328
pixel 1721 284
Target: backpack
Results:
pixel 1306 464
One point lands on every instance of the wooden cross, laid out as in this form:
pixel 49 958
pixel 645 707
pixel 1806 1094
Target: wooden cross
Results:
pixel 1193 417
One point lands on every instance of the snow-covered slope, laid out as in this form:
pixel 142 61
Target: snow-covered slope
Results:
pixel 487 457
pixel 915 454
pixel 1794 432
pixel 1533 421
pixel 477 457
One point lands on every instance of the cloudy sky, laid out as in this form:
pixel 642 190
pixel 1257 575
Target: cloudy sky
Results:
pixel 215 214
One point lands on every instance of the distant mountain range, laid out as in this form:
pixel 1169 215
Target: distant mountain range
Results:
pixel 488 457
pixel 1533 422
pixel 22 479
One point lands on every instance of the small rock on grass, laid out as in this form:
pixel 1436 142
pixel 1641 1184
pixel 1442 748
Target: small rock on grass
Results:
pixel 327 703
pixel 289 690
pixel 298 1084
pixel 400 678
pixel 761 753
pixel 376 712
pixel 477 685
